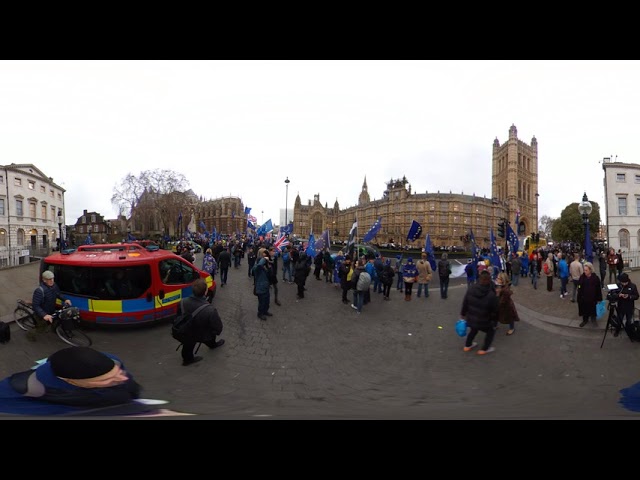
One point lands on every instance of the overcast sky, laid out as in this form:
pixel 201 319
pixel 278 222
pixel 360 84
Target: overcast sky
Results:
pixel 241 127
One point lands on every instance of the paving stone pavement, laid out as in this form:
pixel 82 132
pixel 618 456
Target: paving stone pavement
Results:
pixel 316 358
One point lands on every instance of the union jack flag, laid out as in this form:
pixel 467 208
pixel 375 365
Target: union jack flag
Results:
pixel 281 241
pixel 252 219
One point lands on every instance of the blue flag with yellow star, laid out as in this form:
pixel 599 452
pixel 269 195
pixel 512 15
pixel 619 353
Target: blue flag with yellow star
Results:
pixel 373 231
pixel 414 232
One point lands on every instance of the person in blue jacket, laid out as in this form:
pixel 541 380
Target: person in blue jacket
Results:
pixel 71 381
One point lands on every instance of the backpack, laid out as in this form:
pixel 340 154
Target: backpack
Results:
pixel 285 257
pixel 364 280
pixel 545 268
pixel 5 332
pixel 182 324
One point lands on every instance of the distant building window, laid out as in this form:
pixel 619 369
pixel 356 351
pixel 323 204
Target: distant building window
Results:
pixel 17 182
pixel 32 185
pixel 44 212
pixel 624 238
pixel 1 179
pixel 20 237
pixel 93 219
pixel 3 238
pixel 622 206
pixel 637 205
pixel 59 196
pixel 1 206
pixel 620 177
pixel 43 189
pixel 51 193
pixel 19 212
pixel 32 210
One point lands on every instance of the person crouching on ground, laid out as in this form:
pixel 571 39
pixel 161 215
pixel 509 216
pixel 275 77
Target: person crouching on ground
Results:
pixel 206 325
pixel 480 310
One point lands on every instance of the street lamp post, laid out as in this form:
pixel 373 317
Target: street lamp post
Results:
pixel 537 219
pixel 60 222
pixel 585 209
pixel 286 202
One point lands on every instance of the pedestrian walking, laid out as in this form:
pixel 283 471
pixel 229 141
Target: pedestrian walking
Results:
pixel 480 310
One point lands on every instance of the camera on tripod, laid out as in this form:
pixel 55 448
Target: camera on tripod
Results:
pixel 613 293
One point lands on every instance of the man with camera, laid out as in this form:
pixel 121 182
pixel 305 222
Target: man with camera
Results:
pixel 627 294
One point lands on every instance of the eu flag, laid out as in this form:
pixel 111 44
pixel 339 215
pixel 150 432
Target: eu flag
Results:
pixel 414 232
pixel 428 248
pixel 247 210
pixel 512 238
pixel 373 231
pixel 311 247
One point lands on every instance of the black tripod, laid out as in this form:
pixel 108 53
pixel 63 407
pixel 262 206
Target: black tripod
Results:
pixel 613 322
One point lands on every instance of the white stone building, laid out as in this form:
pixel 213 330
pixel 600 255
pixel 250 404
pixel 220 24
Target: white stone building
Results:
pixel 30 207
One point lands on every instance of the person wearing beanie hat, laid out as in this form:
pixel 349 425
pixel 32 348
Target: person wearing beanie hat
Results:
pixel 409 276
pixel 627 296
pixel 72 380
pixel 44 303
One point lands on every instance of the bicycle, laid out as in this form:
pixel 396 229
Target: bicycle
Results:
pixel 65 323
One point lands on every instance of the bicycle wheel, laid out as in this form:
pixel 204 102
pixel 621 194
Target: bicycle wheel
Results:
pixel 24 318
pixel 75 337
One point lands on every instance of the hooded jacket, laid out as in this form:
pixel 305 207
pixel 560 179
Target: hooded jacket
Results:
pixel 480 306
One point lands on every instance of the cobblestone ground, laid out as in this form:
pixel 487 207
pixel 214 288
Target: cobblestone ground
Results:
pixel 316 358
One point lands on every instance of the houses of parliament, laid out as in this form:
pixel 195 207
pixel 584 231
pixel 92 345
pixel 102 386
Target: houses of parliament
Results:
pixel 446 217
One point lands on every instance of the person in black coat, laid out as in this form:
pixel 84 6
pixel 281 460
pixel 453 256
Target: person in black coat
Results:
pixel 206 325
pixel 343 273
pixel 480 310
pixel 301 271
pixel 589 294
pixel 627 297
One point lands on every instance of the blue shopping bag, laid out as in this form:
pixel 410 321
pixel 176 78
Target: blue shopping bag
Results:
pixel 461 327
pixel 601 307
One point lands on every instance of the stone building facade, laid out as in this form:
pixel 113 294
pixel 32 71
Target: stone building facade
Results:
pixel 446 217
pixel 30 205
pixel 226 214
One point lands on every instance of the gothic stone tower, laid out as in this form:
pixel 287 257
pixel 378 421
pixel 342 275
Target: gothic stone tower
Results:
pixel 514 180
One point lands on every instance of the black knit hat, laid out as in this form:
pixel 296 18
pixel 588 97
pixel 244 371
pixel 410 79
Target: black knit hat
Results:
pixel 80 363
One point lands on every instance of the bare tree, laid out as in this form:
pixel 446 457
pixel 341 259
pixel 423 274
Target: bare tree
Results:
pixel 127 194
pixel 155 197
pixel 546 225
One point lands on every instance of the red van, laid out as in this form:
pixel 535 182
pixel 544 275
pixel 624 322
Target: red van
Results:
pixel 124 283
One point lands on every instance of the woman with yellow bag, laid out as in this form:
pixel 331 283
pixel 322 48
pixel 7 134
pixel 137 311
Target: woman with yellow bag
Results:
pixel 345 273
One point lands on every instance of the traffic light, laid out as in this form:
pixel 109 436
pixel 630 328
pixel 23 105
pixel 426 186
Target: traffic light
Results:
pixel 501 228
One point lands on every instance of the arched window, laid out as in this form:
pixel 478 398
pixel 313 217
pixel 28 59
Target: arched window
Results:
pixel 20 239
pixel 3 237
pixel 623 234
